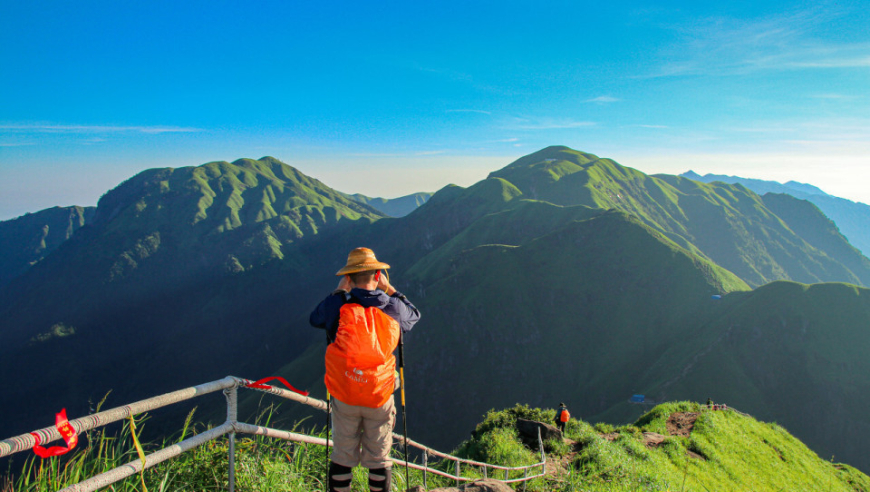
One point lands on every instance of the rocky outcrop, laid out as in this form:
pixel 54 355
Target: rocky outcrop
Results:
pixel 528 430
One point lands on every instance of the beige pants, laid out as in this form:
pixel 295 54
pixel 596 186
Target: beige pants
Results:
pixel 363 435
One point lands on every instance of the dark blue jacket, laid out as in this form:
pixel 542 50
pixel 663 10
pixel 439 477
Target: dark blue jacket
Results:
pixel 397 306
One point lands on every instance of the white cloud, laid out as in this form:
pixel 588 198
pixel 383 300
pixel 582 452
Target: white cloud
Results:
pixel 725 46
pixel 48 128
pixel 547 124
pixel 479 111
pixel 602 99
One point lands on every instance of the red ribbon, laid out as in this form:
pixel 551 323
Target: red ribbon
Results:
pixel 261 385
pixel 66 431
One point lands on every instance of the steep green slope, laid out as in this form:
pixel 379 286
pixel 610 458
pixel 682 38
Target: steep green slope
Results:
pixel 852 218
pixel 788 352
pixel 807 221
pixel 187 275
pixel 575 314
pixel 722 450
pixel 728 223
pixel 183 276
pixel 27 240
pixel 394 207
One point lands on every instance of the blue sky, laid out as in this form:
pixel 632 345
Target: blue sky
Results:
pixel 389 98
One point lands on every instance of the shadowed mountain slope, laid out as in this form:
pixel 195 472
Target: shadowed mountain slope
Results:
pixel 26 240
pixel 788 352
pixel 167 285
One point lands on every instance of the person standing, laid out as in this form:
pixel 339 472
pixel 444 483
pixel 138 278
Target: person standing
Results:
pixel 562 417
pixel 362 319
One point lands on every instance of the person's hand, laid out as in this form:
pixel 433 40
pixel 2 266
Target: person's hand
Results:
pixel 344 284
pixel 384 285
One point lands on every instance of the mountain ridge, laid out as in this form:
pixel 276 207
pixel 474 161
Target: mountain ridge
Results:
pixel 574 292
pixel 852 218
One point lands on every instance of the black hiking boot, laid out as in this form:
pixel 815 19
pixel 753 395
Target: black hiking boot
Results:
pixel 339 477
pixel 380 479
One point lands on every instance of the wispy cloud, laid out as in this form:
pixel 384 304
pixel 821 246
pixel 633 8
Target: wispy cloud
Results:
pixel 725 46
pixel 834 96
pixel 48 128
pixel 547 124
pixel 602 99
pixel 478 111
pixel 20 144
pixel 652 126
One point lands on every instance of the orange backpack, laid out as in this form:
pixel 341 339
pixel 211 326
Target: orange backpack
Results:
pixel 360 365
pixel 564 416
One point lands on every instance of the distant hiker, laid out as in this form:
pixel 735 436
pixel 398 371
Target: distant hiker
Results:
pixel 362 318
pixel 709 403
pixel 562 417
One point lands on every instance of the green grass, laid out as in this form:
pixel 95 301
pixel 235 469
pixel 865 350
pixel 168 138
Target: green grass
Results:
pixel 725 451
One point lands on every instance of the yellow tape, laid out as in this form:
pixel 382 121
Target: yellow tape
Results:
pixel 138 450
pixel 402 380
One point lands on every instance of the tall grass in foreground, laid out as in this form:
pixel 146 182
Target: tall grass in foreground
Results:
pixel 725 451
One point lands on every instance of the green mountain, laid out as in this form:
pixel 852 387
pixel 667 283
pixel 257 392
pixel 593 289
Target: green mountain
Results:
pixel 562 277
pixel 179 271
pixel 852 218
pixel 27 240
pixel 394 207
pixel 728 223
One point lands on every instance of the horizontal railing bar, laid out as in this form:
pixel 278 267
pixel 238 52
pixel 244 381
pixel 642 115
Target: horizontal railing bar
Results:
pixel 287 394
pixel 439 454
pixel 292 436
pixel 135 466
pixel 280 434
pixel 25 442
pixel 48 434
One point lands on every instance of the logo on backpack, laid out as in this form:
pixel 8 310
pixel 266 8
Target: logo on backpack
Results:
pixel 356 376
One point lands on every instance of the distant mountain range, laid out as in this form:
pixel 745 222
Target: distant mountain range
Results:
pixel 394 207
pixel 852 218
pixel 561 277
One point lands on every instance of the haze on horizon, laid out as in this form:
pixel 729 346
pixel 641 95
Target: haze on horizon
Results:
pixel 388 99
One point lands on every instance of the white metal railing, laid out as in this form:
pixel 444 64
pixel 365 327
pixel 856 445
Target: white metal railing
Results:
pixel 230 427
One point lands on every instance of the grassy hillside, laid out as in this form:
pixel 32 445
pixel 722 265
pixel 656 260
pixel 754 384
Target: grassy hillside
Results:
pixel 563 277
pixel 180 272
pixel 728 223
pixel 723 450
pixel 27 240
pixel 790 352
pixel 713 450
pixel 852 218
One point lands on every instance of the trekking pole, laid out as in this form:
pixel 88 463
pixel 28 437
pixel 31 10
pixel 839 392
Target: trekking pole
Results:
pixel 404 415
pixel 328 426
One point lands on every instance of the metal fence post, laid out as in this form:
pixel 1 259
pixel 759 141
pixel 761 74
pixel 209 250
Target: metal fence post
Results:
pixel 543 456
pixel 425 467
pixel 232 395
pixel 484 472
pixel 457 474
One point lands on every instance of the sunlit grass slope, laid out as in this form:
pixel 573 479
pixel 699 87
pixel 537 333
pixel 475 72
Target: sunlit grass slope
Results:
pixel 725 451
pixel 729 223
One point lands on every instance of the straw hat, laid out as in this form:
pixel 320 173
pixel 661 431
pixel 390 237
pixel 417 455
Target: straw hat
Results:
pixel 362 260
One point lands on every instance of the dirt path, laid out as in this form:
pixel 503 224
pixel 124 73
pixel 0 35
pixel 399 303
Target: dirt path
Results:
pixel 681 423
